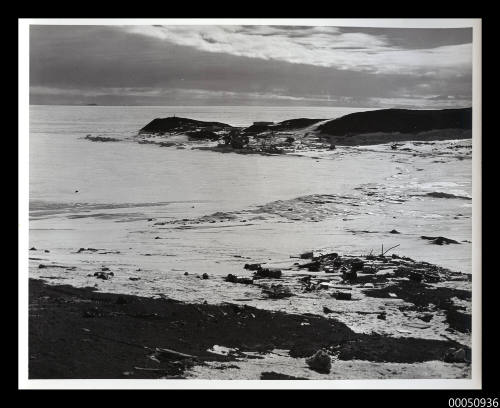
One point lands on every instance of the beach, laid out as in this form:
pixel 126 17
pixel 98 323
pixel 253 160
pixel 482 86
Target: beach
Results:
pixel 132 244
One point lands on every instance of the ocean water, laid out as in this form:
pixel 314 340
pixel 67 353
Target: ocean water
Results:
pixel 132 198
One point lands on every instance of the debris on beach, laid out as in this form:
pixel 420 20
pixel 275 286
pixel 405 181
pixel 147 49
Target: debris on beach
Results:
pixel 342 295
pixel 104 275
pixel 277 291
pixel 238 279
pixel 273 273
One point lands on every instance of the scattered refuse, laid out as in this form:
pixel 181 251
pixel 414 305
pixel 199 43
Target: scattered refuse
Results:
pixel 237 279
pixel 320 362
pixel 277 291
pixel 313 266
pixel 342 295
pixel 385 272
pixel 274 273
pixel 369 269
pixel 221 350
pixel 252 267
pixel 349 275
pixel 104 275
pixel 357 265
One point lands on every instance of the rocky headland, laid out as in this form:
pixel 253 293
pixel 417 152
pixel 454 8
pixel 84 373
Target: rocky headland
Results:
pixel 298 136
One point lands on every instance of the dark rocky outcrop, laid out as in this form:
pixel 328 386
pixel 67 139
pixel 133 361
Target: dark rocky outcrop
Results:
pixel 291 124
pixel 178 124
pixel 398 120
pixel 202 134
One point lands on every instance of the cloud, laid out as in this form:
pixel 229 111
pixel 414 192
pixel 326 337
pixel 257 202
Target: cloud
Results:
pixel 123 65
pixel 318 46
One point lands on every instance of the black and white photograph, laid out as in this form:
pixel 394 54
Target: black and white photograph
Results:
pixel 213 203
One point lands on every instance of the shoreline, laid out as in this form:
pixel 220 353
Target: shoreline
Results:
pixel 81 333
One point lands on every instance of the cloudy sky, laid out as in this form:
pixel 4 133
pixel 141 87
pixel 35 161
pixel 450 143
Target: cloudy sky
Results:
pixel 251 65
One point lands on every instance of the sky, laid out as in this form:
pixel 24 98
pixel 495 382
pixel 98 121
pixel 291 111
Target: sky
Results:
pixel 251 65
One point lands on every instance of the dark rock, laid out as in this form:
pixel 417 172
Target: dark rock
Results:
pixel 252 267
pixel 202 134
pixel 342 295
pixel 46 251
pixel 426 317
pixel 32 249
pixel 394 232
pixel 440 240
pixel 382 316
pixel 204 276
pixel 268 273
pixel 398 120
pixel 306 255
pixel 357 265
pixel 181 124
pixel 432 278
pixel 186 273
pixel 320 362
pixel 416 276
pixel 306 279
pixel 337 262
pixel 327 310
